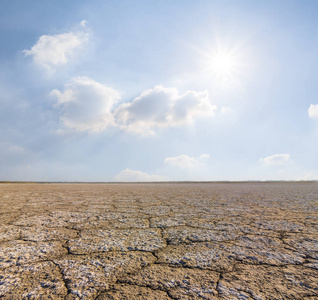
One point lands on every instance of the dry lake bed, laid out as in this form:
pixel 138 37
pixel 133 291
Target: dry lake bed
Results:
pixel 159 241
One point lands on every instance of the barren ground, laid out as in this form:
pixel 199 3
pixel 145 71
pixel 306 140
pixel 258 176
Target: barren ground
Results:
pixel 159 241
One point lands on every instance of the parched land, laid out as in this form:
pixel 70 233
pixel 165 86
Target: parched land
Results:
pixel 159 241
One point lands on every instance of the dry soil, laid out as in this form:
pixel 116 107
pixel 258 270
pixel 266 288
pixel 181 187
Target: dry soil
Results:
pixel 159 241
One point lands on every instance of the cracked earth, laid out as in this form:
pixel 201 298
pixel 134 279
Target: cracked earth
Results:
pixel 159 241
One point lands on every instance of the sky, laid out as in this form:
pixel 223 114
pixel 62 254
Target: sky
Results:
pixel 150 90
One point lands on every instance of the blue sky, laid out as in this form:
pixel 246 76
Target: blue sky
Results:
pixel 158 90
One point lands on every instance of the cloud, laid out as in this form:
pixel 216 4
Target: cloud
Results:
pixel 313 111
pixel 11 149
pixel 309 177
pixel 163 107
pixel 275 159
pixel 85 105
pixel 186 162
pixel 52 51
pixel 13 156
pixel 129 175
pixel 83 23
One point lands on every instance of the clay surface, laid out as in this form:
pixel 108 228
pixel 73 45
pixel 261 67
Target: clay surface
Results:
pixel 159 241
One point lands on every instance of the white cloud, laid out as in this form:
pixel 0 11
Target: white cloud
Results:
pixel 225 110
pixel 313 111
pixel 163 107
pixel 86 105
pixel 11 149
pixel 185 161
pixel 275 159
pixel 129 175
pixel 52 51
pixel 309 176
pixel 83 23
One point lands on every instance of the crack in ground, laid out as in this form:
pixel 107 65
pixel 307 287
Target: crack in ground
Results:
pixel 69 291
pixel 143 286
pixel 217 287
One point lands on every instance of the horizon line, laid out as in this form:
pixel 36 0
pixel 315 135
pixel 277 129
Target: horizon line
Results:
pixel 158 182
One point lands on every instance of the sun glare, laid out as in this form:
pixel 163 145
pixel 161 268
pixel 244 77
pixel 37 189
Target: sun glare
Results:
pixel 222 64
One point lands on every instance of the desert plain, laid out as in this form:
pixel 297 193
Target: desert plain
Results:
pixel 159 241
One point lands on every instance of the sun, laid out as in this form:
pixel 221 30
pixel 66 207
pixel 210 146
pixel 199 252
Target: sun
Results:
pixel 222 64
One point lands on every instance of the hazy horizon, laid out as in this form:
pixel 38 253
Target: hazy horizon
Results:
pixel 159 182
pixel 158 91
